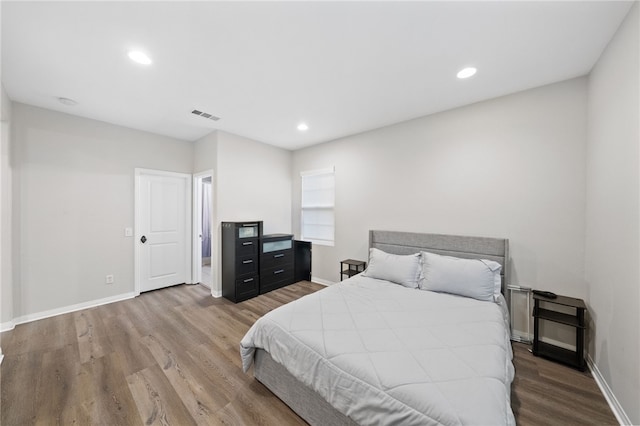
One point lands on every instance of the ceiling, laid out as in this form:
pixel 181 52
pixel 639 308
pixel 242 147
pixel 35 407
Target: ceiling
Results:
pixel 264 67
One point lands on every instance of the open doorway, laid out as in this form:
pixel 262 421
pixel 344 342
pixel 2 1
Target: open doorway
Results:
pixel 203 223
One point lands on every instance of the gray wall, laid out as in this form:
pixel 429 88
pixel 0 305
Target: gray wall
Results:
pixel 205 153
pixel 509 167
pixel 73 194
pixel 612 213
pixel 205 158
pixel 253 182
pixel 73 197
pixel 6 289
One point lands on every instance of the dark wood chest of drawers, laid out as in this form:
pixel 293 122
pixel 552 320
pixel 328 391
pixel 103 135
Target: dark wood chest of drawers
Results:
pixel 253 263
pixel 276 261
pixel 241 260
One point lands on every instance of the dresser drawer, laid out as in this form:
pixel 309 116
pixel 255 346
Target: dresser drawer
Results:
pixel 277 273
pixel 247 287
pixel 276 258
pixel 265 288
pixel 247 265
pixel 247 247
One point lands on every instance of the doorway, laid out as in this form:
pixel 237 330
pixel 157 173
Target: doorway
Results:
pixel 203 248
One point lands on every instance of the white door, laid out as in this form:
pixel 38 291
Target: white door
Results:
pixel 163 229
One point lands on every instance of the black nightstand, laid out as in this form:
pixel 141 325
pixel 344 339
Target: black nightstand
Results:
pixel 353 267
pixel 571 358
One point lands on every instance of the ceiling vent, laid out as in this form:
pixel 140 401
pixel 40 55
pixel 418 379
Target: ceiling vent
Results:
pixel 205 115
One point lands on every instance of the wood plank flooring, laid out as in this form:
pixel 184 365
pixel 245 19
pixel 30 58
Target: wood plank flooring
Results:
pixel 171 357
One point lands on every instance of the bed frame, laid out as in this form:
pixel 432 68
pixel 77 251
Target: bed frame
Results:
pixel 306 402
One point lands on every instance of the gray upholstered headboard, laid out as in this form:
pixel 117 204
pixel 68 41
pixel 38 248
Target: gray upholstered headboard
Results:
pixel 496 249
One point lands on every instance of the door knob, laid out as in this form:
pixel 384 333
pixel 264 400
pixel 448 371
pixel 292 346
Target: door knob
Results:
pixel 143 239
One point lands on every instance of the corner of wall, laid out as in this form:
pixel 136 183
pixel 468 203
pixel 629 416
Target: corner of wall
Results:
pixel 612 228
pixel 6 267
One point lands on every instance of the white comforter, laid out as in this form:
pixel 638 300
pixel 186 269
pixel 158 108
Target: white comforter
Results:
pixel 385 354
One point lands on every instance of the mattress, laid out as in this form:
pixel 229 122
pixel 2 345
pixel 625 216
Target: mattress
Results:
pixel 381 353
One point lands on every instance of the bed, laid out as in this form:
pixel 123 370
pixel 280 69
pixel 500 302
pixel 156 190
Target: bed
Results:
pixel 371 351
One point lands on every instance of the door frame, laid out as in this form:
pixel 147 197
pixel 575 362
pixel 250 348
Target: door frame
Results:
pixel 137 221
pixel 196 264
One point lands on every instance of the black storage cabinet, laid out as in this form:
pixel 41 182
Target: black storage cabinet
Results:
pixel 276 261
pixel 240 260
pixel 302 260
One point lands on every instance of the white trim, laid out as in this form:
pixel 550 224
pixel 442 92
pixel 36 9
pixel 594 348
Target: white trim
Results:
pixel 152 172
pixel 136 204
pixel 6 326
pixel 216 293
pixel 613 402
pixel 521 336
pixel 331 169
pixel 321 281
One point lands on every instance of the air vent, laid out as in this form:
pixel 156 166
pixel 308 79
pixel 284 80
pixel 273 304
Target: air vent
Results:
pixel 205 115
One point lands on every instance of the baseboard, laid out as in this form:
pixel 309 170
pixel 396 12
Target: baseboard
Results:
pixel 617 409
pixel 321 281
pixel 6 326
pixel 521 337
pixel 216 293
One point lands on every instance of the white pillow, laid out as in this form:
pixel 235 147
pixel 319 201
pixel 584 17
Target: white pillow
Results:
pixel 404 270
pixel 476 278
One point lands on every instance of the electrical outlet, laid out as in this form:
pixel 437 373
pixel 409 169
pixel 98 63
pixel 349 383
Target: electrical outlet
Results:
pixel 109 279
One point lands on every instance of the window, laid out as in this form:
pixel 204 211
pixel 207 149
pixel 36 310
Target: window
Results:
pixel 318 193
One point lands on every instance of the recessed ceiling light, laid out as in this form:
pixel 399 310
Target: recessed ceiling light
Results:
pixel 67 101
pixel 139 57
pixel 303 127
pixel 466 72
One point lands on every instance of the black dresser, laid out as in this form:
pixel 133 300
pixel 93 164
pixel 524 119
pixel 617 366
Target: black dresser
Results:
pixel 276 261
pixel 240 260
pixel 254 264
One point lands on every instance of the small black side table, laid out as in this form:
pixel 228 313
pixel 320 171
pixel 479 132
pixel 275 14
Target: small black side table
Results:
pixel 353 267
pixel 571 358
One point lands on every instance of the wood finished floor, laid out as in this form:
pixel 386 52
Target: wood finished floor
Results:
pixel 171 357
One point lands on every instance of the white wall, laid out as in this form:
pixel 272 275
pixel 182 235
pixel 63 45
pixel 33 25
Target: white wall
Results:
pixel 510 167
pixel 73 197
pixel 205 155
pixel 6 287
pixel 612 213
pixel 253 182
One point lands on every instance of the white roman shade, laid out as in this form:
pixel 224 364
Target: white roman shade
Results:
pixel 318 194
